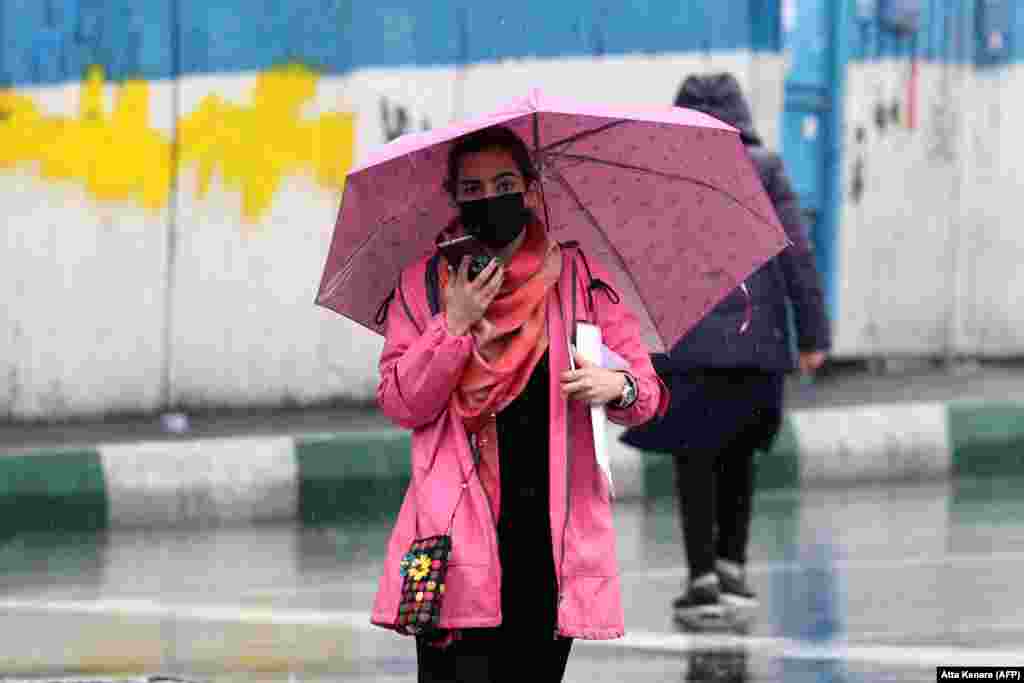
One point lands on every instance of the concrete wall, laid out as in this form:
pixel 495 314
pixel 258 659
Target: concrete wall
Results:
pixel 148 268
pixel 929 243
pixel 992 319
pixel 82 323
pixel 138 281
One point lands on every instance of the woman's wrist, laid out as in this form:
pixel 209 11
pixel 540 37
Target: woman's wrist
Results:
pixel 630 390
pixel 455 327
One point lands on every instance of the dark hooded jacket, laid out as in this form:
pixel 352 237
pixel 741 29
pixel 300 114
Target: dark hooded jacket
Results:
pixel 715 360
pixel 716 342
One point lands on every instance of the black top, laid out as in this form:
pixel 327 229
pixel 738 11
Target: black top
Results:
pixel 528 588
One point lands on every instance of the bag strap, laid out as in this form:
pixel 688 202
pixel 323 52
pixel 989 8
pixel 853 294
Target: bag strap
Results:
pixel 475 449
pixel 594 283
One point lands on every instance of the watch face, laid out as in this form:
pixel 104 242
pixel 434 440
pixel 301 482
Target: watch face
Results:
pixel 629 392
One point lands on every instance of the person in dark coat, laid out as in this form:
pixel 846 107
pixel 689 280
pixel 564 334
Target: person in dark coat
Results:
pixel 726 377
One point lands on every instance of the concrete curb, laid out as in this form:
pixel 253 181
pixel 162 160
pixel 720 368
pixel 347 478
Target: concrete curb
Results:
pixel 331 478
pixel 312 478
pixel 883 442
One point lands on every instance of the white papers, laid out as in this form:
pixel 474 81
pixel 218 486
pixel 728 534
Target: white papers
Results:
pixel 588 343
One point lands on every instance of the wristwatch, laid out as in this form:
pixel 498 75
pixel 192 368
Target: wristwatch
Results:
pixel 628 397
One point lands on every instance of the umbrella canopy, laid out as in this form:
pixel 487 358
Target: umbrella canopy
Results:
pixel 667 198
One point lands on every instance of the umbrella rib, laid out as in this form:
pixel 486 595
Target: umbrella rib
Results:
pixel 540 180
pixel 660 174
pixel 345 271
pixel 597 226
pixel 581 135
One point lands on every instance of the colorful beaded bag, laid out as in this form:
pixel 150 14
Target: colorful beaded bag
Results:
pixel 424 572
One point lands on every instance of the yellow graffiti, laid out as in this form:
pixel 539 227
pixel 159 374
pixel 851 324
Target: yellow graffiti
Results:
pixel 254 147
pixel 117 155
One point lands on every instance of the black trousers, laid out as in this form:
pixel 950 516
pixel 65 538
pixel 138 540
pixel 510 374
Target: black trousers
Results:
pixel 493 655
pixel 741 414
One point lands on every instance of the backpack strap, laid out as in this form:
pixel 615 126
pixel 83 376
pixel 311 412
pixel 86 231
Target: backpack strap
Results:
pixel 433 284
pixel 381 316
pixel 382 311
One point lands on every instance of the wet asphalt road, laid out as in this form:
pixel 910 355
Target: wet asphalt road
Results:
pixel 872 584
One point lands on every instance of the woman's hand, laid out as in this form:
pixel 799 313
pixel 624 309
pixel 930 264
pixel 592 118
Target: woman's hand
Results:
pixel 592 383
pixel 466 301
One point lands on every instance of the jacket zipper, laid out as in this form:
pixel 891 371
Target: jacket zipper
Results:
pixel 477 457
pixel 568 488
pixel 565 523
pixel 474 448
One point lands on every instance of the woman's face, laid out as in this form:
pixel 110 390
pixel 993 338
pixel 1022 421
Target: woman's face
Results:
pixel 490 173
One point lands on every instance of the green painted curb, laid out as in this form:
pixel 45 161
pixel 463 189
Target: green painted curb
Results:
pixel 987 439
pixel 986 501
pixel 353 475
pixel 779 468
pixel 58 490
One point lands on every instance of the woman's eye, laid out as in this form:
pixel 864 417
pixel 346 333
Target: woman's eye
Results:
pixel 506 186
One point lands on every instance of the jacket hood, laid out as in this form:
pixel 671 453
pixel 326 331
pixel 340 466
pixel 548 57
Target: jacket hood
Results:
pixel 719 95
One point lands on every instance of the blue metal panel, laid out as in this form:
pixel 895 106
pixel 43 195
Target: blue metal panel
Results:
pixel 943 32
pixel 812 120
pixel 48 41
pixel 993 31
pixel 766 25
pixel 901 16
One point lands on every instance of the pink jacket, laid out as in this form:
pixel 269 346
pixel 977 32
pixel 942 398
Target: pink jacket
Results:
pixel 419 371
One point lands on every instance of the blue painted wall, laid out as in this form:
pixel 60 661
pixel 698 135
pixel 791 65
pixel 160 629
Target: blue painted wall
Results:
pixel 47 41
pixel 50 41
pixel 950 31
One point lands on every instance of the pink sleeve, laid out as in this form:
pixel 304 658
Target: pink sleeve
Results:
pixel 419 371
pixel 620 332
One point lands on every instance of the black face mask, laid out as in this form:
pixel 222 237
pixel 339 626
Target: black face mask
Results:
pixel 495 221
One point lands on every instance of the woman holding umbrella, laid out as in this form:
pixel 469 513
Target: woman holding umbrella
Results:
pixel 506 480
pixel 502 448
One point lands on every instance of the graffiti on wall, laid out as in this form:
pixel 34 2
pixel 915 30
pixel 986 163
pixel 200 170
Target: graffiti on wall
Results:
pixel 254 147
pixel 117 156
pixel 395 121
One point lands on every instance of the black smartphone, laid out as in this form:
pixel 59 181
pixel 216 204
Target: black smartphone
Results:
pixel 469 246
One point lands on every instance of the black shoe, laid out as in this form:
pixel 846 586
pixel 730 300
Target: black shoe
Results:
pixel 735 591
pixel 701 608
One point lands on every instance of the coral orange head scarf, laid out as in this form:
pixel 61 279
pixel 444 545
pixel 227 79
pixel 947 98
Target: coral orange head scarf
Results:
pixel 512 337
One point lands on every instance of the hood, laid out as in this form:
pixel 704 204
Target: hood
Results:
pixel 719 95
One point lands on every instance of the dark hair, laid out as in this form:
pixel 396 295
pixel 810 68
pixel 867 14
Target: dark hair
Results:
pixel 495 137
